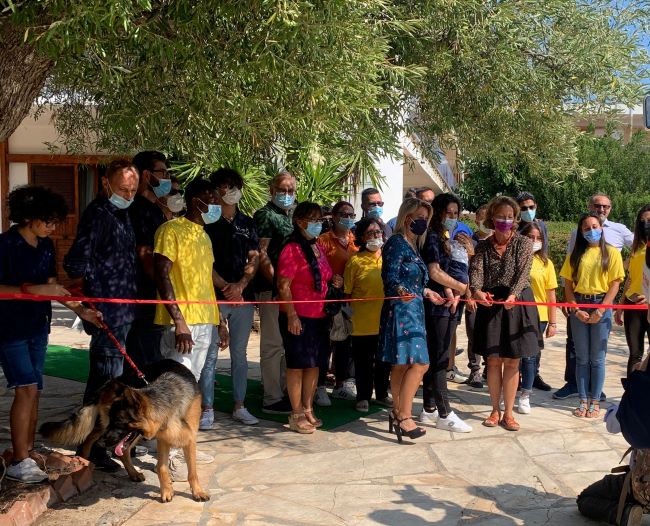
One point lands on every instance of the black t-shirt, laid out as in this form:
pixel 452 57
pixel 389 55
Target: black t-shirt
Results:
pixel 146 217
pixel 22 263
pixel 231 243
pixel 434 252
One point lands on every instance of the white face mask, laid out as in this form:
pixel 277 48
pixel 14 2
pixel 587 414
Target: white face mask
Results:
pixel 485 230
pixel 374 244
pixel 232 196
pixel 537 246
pixel 175 203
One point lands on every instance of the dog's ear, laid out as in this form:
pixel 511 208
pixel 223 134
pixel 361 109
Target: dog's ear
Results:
pixel 133 400
pixel 112 391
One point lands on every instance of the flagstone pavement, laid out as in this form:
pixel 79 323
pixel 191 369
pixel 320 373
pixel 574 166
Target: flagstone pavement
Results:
pixel 357 474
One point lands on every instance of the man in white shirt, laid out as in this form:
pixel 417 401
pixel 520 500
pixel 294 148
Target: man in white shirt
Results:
pixel 617 235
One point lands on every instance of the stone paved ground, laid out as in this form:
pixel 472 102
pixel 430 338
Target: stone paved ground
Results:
pixel 357 474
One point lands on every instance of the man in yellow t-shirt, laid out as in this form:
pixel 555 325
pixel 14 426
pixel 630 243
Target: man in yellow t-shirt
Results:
pixel 183 270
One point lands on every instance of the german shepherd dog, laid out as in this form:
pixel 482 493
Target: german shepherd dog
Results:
pixel 168 410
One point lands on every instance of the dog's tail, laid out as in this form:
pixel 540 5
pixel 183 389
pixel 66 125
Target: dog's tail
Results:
pixel 74 430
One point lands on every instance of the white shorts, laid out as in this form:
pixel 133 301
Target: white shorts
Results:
pixel 202 337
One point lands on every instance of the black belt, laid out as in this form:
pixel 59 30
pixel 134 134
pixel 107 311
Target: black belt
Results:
pixel 590 296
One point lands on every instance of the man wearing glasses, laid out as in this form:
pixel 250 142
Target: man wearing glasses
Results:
pixel 528 207
pixel 146 214
pixel 274 226
pixel 617 235
pixel 373 206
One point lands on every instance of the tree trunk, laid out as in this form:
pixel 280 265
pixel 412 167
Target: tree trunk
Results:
pixel 23 72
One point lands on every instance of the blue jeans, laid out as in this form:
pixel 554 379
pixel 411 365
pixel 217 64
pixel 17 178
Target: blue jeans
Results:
pixel 240 323
pixel 529 367
pixel 106 362
pixel 590 340
pixel 23 360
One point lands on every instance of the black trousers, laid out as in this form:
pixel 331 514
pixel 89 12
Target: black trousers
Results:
pixel 637 329
pixel 342 362
pixel 143 344
pixel 600 500
pixel 368 370
pixel 570 359
pixel 473 360
pixel 434 384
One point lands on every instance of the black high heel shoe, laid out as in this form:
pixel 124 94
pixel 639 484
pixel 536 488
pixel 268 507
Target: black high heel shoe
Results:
pixel 412 434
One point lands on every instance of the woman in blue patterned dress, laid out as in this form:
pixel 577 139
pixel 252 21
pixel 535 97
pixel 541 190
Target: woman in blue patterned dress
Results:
pixel 402 338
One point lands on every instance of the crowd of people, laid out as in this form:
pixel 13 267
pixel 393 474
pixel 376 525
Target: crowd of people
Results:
pixel 402 287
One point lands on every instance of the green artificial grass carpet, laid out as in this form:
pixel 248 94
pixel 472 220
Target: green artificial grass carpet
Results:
pixel 72 364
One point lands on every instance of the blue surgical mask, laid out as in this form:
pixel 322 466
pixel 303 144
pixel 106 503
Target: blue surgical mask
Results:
pixel 314 228
pixel 283 200
pixel 163 188
pixel 528 215
pixel 593 236
pixel 118 201
pixel 450 224
pixel 375 212
pixel 212 215
pixel 346 222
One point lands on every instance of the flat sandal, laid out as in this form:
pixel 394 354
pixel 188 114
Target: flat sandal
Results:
pixel 581 410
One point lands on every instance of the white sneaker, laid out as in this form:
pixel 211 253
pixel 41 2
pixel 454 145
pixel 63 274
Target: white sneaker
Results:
pixel 523 407
pixel 26 471
pixel 321 397
pixel 242 415
pixel 207 420
pixel 453 423
pixel 427 417
pixel 344 393
pixel 456 376
pixel 362 406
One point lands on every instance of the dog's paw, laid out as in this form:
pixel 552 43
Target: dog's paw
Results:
pixel 166 494
pixel 200 496
pixel 137 477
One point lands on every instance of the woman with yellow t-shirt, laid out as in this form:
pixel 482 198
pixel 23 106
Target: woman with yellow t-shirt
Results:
pixel 362 279
pixel 637 326
pixel 592 275
pixel 543 281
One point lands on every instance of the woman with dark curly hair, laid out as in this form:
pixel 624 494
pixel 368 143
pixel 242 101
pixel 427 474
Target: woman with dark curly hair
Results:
pixel 637 325
pixel 28 266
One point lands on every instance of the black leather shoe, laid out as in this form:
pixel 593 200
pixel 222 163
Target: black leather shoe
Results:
pixel 539 383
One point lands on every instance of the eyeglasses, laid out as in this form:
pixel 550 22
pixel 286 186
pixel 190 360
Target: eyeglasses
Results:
pixel 531 207
pixel 604 207
pixel 373 234
pixel 376 203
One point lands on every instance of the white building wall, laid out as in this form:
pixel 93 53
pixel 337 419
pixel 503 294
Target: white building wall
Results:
pixel 17 175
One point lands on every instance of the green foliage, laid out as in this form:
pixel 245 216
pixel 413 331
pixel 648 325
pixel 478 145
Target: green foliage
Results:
pixel 199 78
pixel 619 169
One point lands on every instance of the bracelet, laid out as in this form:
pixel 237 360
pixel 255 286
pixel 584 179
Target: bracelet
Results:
pixel 23 288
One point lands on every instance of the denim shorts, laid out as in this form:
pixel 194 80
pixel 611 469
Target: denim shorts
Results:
pixel 22 360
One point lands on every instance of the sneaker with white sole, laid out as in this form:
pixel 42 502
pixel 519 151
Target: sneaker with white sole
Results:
pixel 242 415
pixel 207 420
pixel 26 471
pixel 523 407
pixel 321 398
pixel 456 376
pixel 428 417
pixel 453 423
pixel 362 406
pixel 343 393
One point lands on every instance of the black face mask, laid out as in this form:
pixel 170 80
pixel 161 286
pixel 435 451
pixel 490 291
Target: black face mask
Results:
pixel 645 227
pixel 418 226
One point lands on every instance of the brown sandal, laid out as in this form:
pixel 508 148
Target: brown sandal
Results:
pixel 594 410
pixel 316 422
pixel 493 420
pixel 299 423
pixel 581 410
pixel 509 423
